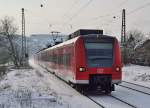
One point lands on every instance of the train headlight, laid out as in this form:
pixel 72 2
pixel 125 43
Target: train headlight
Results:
pixel 82 69
pixel 117 69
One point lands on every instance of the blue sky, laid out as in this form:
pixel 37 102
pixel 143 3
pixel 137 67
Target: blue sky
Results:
pixel 67 16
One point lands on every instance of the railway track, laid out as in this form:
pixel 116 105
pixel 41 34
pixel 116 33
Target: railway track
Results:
pixel 99 104
pixel 136 84
pixel 124 102
pixel 135 87
pixel 110 96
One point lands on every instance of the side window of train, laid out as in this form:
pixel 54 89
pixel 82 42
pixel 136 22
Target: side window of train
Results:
pixel 57 59
pixel 50 58
pixel 66 59
pixel 60 59
pixel 54 59
pixel 45 55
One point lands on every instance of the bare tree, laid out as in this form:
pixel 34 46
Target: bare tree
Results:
pixel 8 29
pixel 134 38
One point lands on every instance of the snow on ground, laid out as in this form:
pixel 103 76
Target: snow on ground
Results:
pixel 37 88
pixel 26 88
pixel 30 88
pixel 137 74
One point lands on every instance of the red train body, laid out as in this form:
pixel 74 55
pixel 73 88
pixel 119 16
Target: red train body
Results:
pixel 90 61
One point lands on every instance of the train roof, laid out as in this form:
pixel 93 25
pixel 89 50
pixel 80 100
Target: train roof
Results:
pixel 64 43
pixel 82 32
pixel 76 38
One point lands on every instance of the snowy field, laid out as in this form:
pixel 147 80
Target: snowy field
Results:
pixel 26 89
pixel 37 88
pixel 137 74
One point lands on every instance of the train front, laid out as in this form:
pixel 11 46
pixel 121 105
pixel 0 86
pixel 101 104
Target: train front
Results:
pixel 98 62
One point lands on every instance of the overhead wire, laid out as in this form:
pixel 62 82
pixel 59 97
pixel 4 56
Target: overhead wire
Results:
pixel 130 12
pixel 123 3
pixel 102 16
pixel 65 15
pixel 68 22
pixel 71 7
pixel 118 17
pixel 139 8
pixel 80 10
pixel 112 14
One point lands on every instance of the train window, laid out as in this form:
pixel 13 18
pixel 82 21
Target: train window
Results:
pixel 44 56
pixel 99 54
pixel 54 59
pixel 66 59
pixel 99 46
pixel 58 59
pixel 50 58
pixel 61 60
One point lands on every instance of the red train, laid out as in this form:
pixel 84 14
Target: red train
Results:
pixel 89 60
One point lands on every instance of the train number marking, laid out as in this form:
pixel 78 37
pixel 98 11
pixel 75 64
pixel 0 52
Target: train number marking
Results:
pixel 100 70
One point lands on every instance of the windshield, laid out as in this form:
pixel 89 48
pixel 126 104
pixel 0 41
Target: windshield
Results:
pixel 99 54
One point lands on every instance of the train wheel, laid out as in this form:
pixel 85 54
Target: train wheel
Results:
pixel 107 92
pixel 108 89
pixel 79 88
pixel 72 84
pixel 113 87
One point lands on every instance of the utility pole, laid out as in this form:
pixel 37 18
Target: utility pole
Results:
pixel 123 38
pixel 123 29
pixel 24 45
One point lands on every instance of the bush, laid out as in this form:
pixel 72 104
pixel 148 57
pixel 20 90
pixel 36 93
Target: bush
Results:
pixel 2 70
